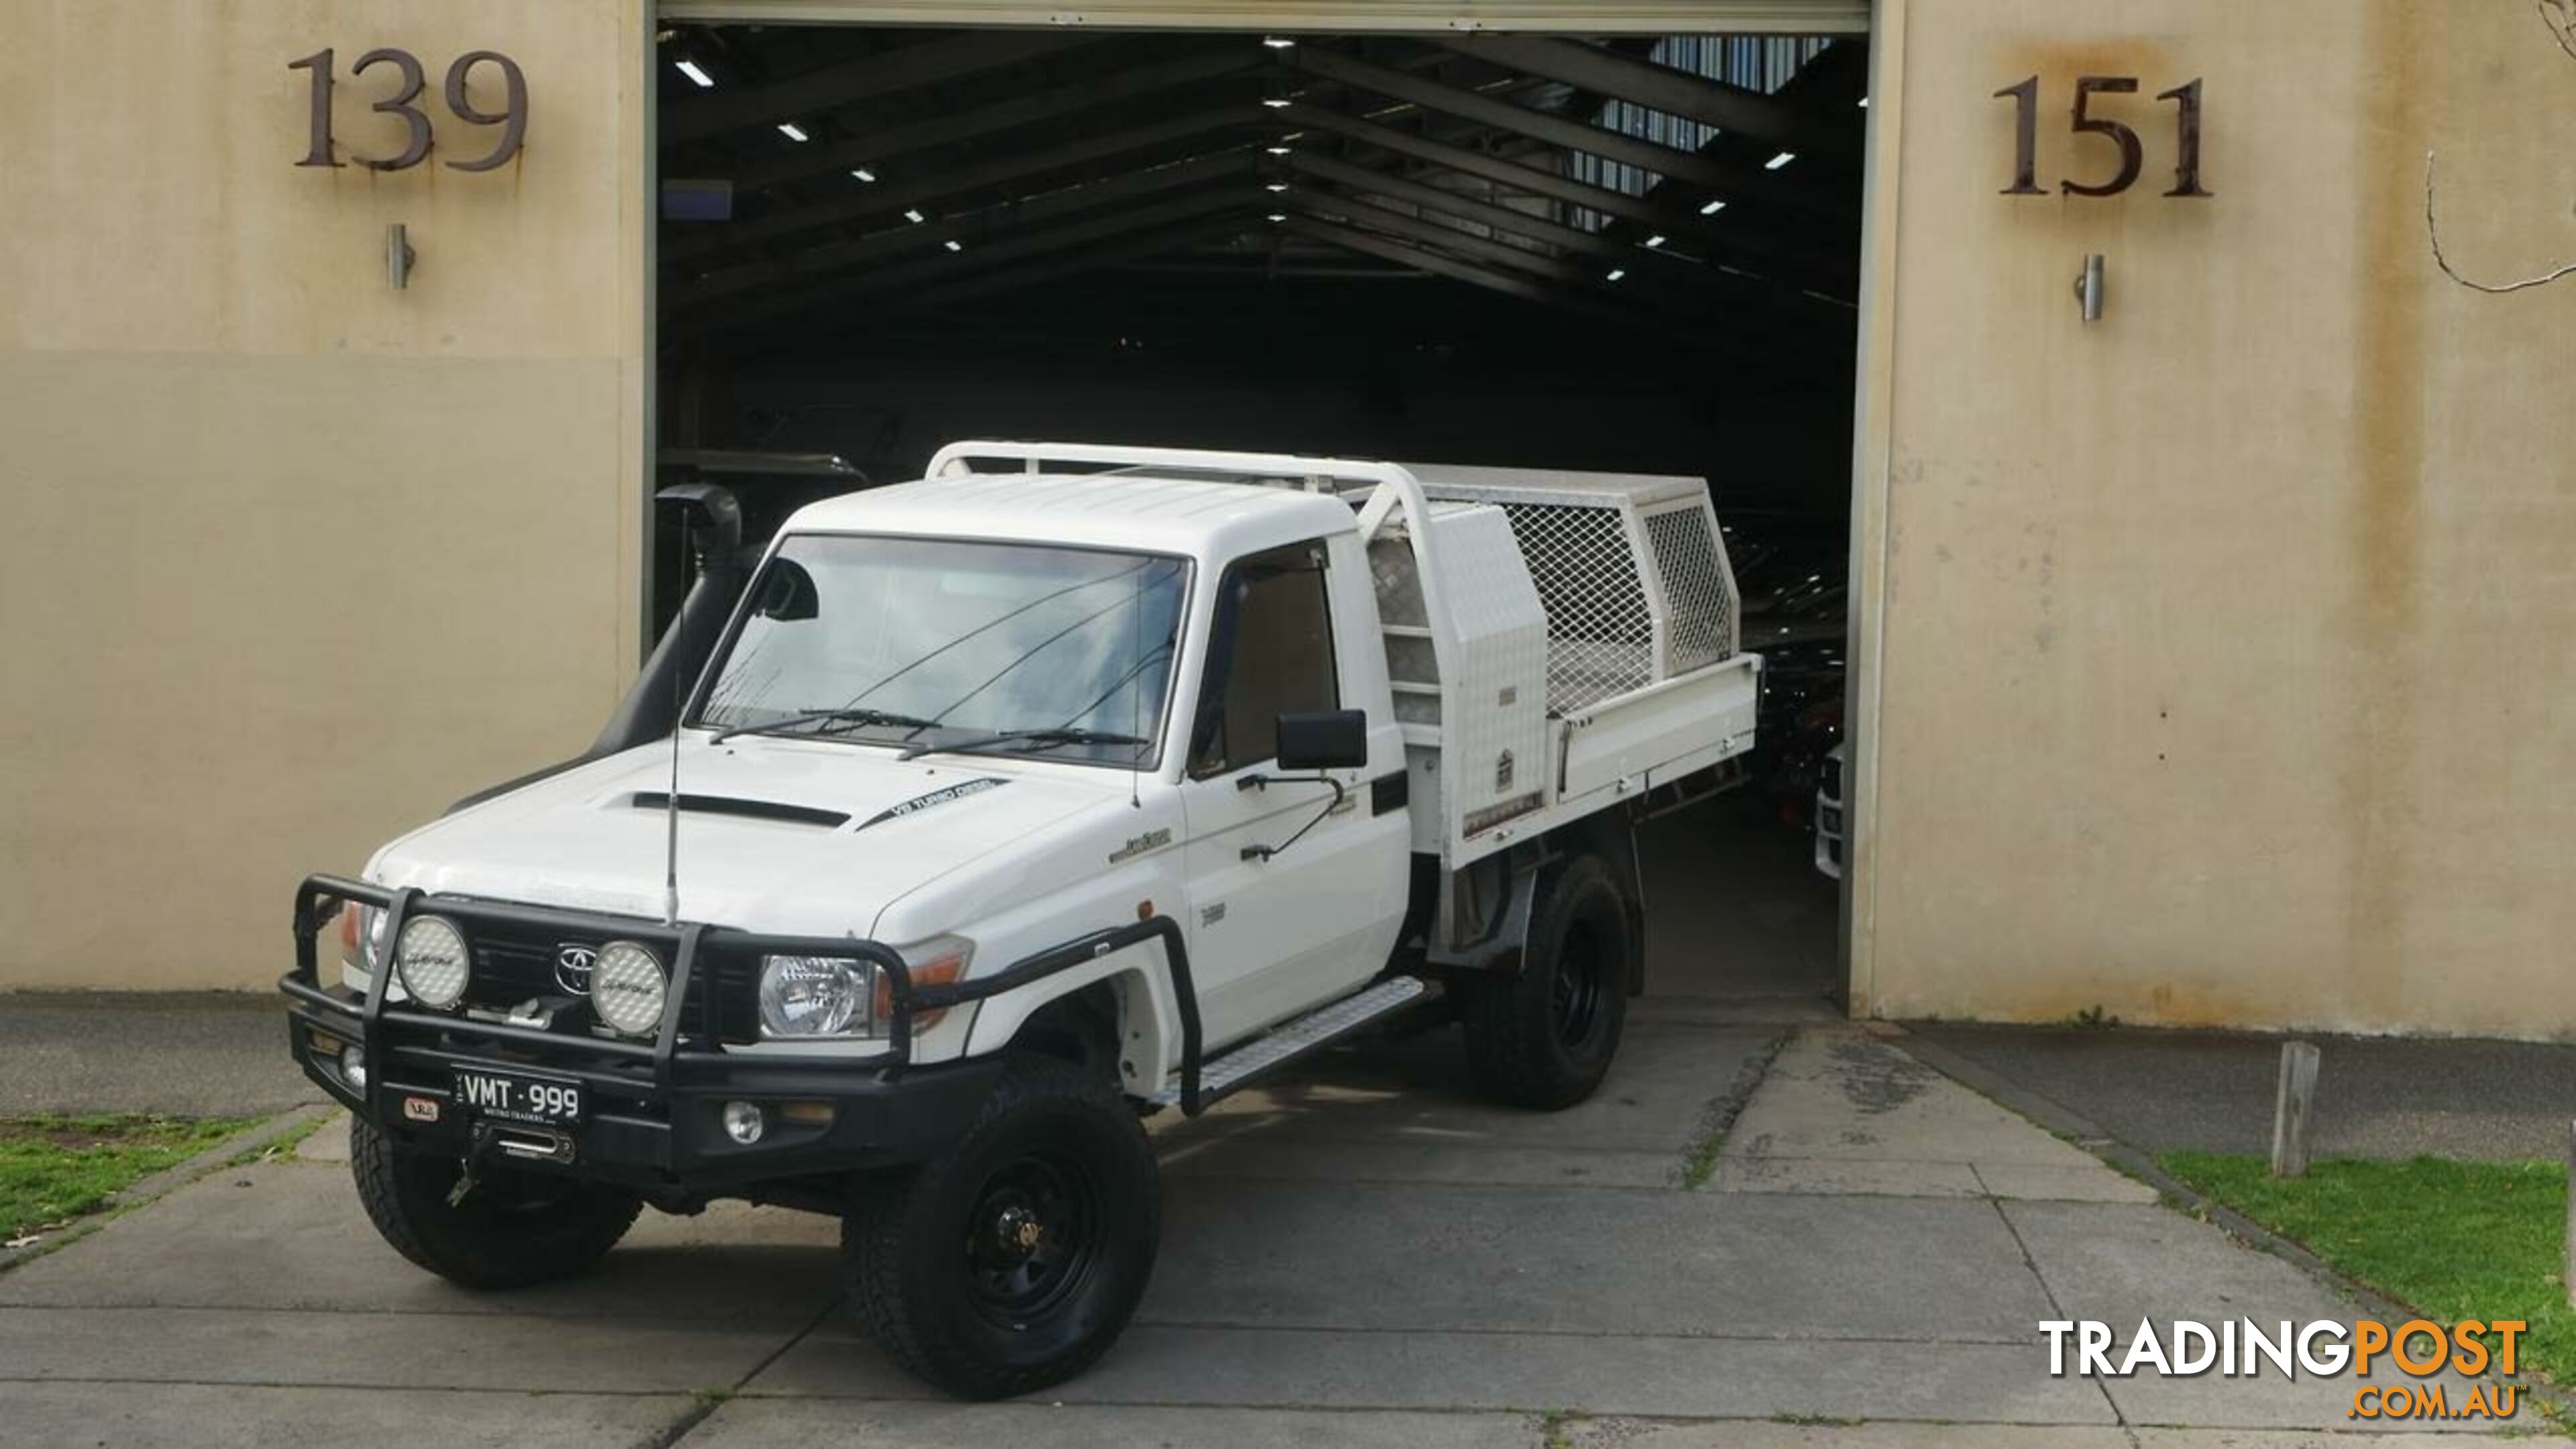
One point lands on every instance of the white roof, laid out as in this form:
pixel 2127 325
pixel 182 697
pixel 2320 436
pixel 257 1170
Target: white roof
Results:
pixel 1145 511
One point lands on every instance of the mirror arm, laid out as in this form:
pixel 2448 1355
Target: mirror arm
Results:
pixel 1259 781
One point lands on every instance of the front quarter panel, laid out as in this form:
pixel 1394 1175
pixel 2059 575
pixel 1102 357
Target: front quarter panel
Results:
pixel 1108 867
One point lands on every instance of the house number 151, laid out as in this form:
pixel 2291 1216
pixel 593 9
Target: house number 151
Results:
pixel 2025 99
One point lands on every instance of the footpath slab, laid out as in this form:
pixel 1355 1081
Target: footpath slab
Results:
pixel 215 1416
pixel 1846 1112
pixel 813 1424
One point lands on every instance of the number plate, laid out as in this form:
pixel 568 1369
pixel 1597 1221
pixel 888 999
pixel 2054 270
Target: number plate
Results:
pixel 509 1097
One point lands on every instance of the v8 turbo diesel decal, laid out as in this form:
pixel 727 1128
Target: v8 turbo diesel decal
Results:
pixel 941 796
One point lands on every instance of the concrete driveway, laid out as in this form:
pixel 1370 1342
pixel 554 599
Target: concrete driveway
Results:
pixel 1360 1255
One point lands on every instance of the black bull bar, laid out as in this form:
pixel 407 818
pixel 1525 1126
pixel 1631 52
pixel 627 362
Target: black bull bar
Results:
pixel 678 1059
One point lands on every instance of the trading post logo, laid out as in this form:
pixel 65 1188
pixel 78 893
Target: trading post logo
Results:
pixel 2239 1348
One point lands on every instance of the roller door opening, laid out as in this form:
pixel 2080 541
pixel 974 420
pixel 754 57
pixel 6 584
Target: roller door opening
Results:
pixel 1633 254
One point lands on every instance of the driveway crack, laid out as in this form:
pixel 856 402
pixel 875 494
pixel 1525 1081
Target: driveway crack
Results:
pixel 710 1400
pixel 2054 1307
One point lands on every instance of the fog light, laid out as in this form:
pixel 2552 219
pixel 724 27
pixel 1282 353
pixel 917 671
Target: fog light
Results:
pixel 353 1067
pixel 743 1122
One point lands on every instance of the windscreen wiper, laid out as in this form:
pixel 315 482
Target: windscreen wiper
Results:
pixel 846 717
pixel 1054 737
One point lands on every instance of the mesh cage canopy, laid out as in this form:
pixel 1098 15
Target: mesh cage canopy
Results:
pixel 1629 567
pixel 1600 633
pixel 1696 593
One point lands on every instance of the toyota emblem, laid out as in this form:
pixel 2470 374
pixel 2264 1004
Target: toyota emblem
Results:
pixel 572 967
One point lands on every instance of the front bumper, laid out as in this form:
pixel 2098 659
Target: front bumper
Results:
pixel 653 1114
pixel 653 1110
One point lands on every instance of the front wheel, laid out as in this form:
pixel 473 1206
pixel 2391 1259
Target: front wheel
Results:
pixel 1012 1260
pixel 1543 1036
pixel 516 1228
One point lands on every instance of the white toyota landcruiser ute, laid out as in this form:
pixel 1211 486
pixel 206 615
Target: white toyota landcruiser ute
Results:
pixel 980 817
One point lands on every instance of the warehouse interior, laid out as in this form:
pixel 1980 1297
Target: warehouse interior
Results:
pixel 1632 254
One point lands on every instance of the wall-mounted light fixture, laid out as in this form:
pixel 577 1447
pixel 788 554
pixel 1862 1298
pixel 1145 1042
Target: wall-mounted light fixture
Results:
pixel 399 256
pixel 2088 288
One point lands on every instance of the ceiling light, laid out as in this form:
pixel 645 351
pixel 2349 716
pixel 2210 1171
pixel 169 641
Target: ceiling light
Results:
pixel 915 217
pixel 1614 274
pixel 1277 150
pixel 1278 42
pixel 1276 103
pixel 1276 187
pixel 1656 240
pixel 791 130
pixel 1713 208
pixel 863 174
pixel 1864 103
pixel 1278 216
pixel 1783 159
pixel 954 246
pixel 691 69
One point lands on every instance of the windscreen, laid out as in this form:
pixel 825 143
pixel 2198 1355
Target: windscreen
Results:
pixel 941 643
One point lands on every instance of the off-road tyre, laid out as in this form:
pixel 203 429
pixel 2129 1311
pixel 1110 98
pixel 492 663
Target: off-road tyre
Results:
pixel 1011 1261
pixel 1543 1036
pixel 516 1228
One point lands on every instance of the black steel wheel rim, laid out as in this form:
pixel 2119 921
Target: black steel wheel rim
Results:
pixel 1574 996
pixel 1032 1237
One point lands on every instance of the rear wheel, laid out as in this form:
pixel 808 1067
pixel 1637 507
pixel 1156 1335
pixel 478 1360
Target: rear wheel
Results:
pixel 1543 1036
pixel 514 1229
pixel 1013 1260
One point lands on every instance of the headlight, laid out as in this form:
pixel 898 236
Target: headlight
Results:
pixel 627 988
pixel 841 996
pixel 815 996
pixel 432 961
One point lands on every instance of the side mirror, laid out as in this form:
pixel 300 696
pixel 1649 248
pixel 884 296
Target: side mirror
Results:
pixel 1323 739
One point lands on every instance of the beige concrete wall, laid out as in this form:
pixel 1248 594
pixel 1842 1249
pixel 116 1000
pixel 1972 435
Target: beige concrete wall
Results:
pixel 295 558
pixel 2224 650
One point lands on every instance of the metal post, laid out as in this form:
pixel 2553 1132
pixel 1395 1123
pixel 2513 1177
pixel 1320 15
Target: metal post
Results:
pixel 2291 1109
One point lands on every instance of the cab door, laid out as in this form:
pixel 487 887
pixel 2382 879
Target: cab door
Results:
pixel 1273 936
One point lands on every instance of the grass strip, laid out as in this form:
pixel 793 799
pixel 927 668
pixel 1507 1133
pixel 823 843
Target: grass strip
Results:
pixel 2453 1240
pixel 54 1169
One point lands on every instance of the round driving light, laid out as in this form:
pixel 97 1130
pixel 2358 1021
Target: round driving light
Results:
pixel 430 957
pixel 743 1122
pixel 812 995
pixel 626 988
pixel 353 1067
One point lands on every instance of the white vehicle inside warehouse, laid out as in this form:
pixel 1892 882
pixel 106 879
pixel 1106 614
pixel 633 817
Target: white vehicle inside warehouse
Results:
pixel 993 811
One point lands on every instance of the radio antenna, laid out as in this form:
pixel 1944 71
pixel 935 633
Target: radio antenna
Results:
pixel 679 708
pixel 1135 702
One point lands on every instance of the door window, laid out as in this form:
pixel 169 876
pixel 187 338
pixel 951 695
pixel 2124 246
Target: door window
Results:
pixel 1271 650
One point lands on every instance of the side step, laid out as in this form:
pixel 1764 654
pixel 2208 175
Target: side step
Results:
pixel 1293 1039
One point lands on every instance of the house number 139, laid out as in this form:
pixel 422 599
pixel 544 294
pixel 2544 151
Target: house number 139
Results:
pixel 2025 99
pixel 404 101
